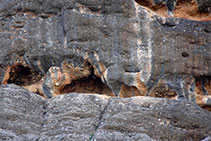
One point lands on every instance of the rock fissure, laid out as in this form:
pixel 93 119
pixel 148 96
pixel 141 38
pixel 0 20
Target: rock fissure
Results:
pixel 100 119
pixel 44 117
pixel 63 27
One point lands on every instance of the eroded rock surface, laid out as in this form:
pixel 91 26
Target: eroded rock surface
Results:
pixel 72 116
pixel 144 118
pixel 129 48
pixel 26 116
pixel 21 114
pixel 118 48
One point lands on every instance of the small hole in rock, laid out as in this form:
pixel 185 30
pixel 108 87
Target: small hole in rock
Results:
pixel 185 54
pixel 206 30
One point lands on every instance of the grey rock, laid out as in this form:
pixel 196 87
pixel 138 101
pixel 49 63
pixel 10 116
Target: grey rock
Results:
pixel 27 116
pixel 207 139
pixel 72 117
pixel 41 34
pixel 147 118
pixel 21 114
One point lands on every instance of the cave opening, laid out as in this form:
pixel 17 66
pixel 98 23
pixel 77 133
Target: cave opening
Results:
pixel 91 84
pixel 22 75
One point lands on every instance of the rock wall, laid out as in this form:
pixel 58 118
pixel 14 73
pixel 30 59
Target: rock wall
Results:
pixel 48 46
pixel 115 48
pixel 26 116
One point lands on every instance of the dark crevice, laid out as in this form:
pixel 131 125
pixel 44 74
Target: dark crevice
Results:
pixel 206 30
pixel 62 22
pixel 44 121
pixel 169 24
pixel 45 15
pixel 185 54
pixel 100 119
pixel 90 84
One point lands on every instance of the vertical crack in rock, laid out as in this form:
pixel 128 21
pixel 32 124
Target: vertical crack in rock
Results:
pixel 63 27
pixel 100 119
pixel 44 110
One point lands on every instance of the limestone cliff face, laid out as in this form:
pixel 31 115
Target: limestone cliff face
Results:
pixel 128 48
pixel 116 48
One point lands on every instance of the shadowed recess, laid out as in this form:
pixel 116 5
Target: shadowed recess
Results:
pixel 91 84
pixel 22 75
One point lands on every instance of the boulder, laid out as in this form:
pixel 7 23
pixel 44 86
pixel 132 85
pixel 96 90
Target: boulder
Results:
pixel 77 116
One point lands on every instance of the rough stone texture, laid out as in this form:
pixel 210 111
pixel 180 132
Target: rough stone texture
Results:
pixel 118 38
pixel 27 116
pixel 72 117
pixel 21 114
pixel 152 118
pixel 126 47
pixel 204 5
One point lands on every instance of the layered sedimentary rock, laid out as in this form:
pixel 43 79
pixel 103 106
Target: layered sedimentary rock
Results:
pixel 50 46
pixel 26 116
